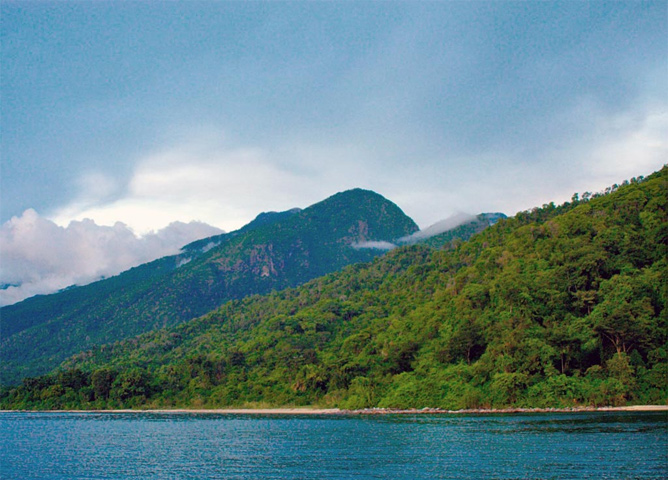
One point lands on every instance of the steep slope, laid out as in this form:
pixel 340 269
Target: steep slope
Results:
pixel 275 251
pixel 558 306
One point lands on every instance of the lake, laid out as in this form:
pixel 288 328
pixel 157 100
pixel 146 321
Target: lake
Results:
pixel 596 445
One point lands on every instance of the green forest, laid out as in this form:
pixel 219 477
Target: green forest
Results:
pixel 557 306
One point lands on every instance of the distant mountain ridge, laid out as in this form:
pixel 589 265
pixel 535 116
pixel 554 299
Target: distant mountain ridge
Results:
pixel 274 251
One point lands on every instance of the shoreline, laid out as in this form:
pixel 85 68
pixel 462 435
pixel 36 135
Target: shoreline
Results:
pixel 366 411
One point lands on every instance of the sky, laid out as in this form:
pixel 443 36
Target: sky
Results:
pixel 136 115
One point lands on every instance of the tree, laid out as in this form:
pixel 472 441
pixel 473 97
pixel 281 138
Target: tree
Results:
pixel 624 317
pixel 101 380
pixel 131 383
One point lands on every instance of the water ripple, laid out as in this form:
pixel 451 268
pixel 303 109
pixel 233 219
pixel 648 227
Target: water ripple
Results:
pixel 77 446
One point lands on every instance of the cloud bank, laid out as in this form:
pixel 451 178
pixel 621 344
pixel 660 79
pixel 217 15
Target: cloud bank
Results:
pixel 40 257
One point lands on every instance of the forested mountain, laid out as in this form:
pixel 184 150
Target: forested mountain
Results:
pixel 275 251
pixel 558 306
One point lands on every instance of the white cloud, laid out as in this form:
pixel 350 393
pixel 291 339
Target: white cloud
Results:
pixel 205 182
pixel 449 223
pixel 41 257
pixel 374 245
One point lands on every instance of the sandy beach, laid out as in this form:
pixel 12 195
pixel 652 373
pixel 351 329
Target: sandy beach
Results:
pixel 373 411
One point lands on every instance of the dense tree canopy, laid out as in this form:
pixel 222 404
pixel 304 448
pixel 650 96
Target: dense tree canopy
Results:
pixel 558 306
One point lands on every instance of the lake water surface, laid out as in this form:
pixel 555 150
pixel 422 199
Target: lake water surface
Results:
pixel 601 445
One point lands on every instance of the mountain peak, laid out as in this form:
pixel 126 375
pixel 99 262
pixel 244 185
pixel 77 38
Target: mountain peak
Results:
pixel 368 207
pixel 355 194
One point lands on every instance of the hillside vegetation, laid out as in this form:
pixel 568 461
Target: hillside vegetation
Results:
pixel 558 306
pixel 275 251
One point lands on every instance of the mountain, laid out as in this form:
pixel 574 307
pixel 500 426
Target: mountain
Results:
pixel 558 306
pixel 275 251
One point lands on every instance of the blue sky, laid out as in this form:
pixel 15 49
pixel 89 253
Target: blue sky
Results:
pixel 152 112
